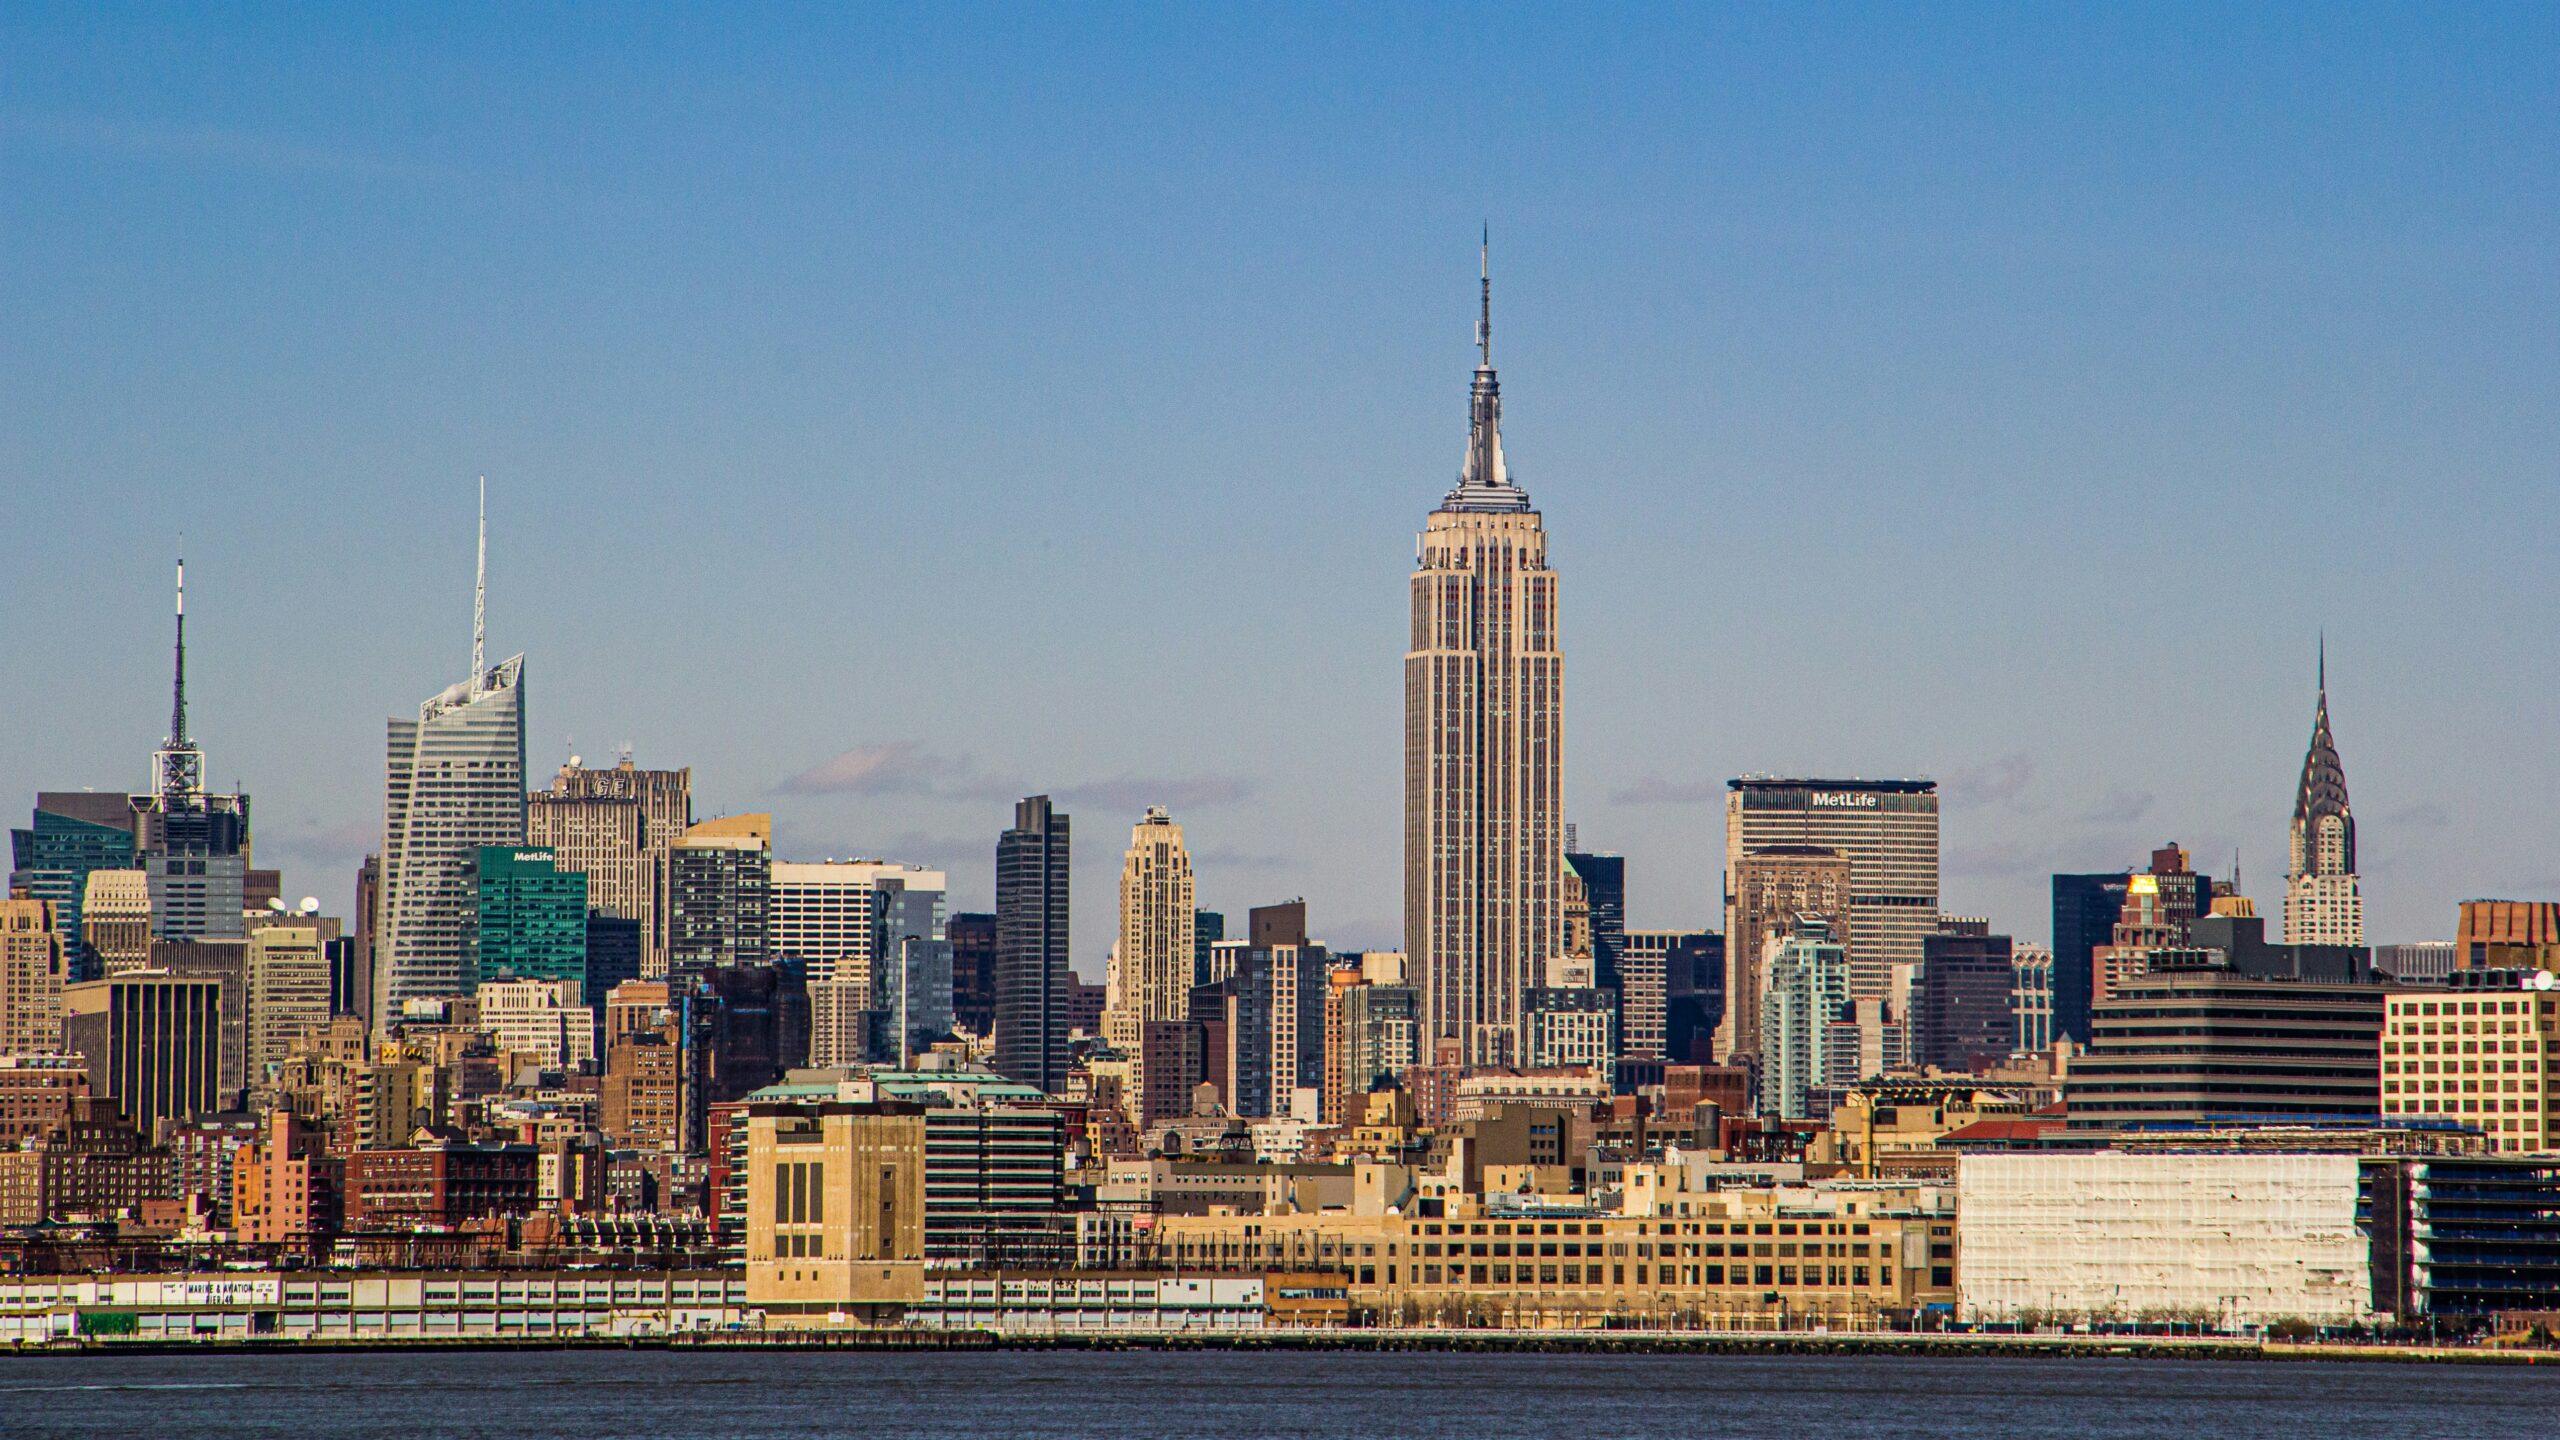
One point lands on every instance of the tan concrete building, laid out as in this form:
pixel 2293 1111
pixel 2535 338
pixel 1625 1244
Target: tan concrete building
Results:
pixel 1151 964
pixel 288 984
pixel 1847 1256
pixel 115 919
pixel 835 1210
pixel 1888 832
pixel 613 825
pixel 2478 1057
pixel 1765 891
pixel 30 978
pixel 1483 749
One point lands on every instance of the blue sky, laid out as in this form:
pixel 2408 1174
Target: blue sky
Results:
pixel 887 412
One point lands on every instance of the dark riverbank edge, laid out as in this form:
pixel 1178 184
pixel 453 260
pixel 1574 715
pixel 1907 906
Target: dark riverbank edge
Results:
pixel 1617 1342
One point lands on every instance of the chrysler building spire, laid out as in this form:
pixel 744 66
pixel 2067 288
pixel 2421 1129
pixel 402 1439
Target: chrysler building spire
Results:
pixel 2321 903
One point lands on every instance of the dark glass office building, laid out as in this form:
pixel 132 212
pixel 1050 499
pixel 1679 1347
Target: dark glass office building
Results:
pixel 72 833
pixel 2085 911
pixel 1032 977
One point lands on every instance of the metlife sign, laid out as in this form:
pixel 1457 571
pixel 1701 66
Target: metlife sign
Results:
pixel 1842 800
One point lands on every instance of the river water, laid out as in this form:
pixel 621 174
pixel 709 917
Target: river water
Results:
pixel 735 1395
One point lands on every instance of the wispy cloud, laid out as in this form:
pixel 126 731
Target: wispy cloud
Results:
pixel 917 847
pixel 1996 862
pixel 1654 790
pixel 2425 815
pixel 1179 793
pixel 321 845
pixel 1224 858
pixel 2119 807
pixel 906 767
pixel 1998 783
pixel 896 767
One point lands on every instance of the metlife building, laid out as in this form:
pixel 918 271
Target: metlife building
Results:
pixel 1888 829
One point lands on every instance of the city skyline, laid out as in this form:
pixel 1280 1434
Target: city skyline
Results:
pixel 2104 475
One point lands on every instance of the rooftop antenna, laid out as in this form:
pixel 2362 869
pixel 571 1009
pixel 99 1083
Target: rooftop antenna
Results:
pixel 180 764
pixel 1484 279
pixel 480 593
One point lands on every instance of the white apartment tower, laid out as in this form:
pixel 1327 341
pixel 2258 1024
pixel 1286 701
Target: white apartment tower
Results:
pixel 1483 747
pixel 454 782
pixel 2321 903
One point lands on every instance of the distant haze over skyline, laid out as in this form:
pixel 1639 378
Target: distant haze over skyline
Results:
pixel 889 416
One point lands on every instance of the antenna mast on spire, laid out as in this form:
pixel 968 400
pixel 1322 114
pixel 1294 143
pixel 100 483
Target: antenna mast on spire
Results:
pixel 1484 313
pixel 179 767
pixel 480 594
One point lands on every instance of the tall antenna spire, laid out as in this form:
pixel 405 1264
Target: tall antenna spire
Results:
pixel 178 768
pixel 2324 662
pixel 1484 314
pixel 1484 483
pixel 480 593
pixel 178 683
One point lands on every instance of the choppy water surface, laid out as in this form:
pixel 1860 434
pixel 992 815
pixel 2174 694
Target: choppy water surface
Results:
pixel 1001 1395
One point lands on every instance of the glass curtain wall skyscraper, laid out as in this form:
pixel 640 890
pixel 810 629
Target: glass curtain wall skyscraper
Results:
pixel 1483 747
pixel 1032 977
pixel 454 782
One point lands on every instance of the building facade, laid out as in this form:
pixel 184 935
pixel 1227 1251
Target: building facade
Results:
pixel 719 889
pixel 1766 892
pixel 529 916
pixel 1159 915
pixel 2477 1055
pixel 1483 748
pixel 153 1043
pixel 1032 975
pixel 1805 997
pixel 1888 832
pixel 31 978
pixel 613 826
pixel 454 783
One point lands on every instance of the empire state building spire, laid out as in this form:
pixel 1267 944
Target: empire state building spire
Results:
pixel 1484 482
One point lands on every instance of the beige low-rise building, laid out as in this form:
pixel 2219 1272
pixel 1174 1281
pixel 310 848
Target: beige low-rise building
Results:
pixel 1850 1256
pixel 835 1211
pixel 2477 1057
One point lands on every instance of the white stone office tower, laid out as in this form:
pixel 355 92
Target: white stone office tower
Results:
pixel 2321 904
pixel 1483 749
pixel 455 782
pixel 1158 925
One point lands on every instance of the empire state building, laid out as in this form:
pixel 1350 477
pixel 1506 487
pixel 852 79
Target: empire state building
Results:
pixel 1483 748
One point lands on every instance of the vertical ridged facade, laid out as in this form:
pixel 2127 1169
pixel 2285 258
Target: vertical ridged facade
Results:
pixel 1484 750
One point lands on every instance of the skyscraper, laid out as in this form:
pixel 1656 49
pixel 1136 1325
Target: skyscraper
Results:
pixel 1888 832
pixel 31 978
pixel 193 845
pixel 614 825
pixel 73 833
pixel 454 782
pixel 2321 906
pixel 2085 911
pixel 1031 947
pixel 1483 746
pixel 719 896
pixel 1158 920
pixel 530 920
pixel 1766 892
pixel 1805 994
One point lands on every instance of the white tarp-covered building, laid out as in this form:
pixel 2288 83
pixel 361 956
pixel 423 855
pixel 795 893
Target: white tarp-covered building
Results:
pixel 2228 1238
